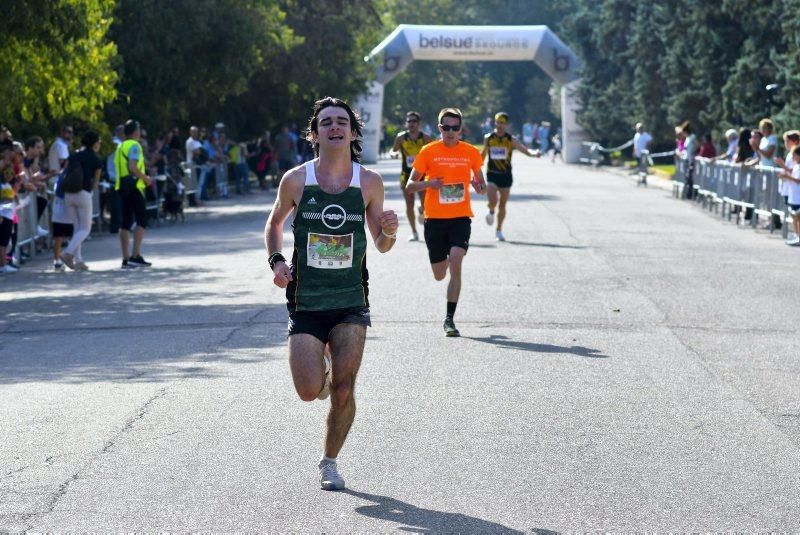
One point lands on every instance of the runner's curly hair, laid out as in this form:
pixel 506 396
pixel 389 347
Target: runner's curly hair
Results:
pixel 355 125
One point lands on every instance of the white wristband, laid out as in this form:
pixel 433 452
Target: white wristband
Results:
pixel 390 236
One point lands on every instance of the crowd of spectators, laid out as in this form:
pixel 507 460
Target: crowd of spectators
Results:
pixel 749 147
pixel 206 165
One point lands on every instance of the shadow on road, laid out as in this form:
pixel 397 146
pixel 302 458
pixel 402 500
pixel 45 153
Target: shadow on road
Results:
pixel 507 343
pixel 419 520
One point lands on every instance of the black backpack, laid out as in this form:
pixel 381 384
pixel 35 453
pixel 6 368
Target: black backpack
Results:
pixel 73 179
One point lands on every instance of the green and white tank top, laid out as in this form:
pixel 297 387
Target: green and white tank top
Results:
pixel 329 262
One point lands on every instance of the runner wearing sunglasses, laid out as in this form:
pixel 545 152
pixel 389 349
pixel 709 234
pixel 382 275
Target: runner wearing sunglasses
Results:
pixel 444 170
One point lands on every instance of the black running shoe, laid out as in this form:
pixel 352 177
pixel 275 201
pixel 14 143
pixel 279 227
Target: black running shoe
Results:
pixel 139 261
pixel 450 328
pixel 125 265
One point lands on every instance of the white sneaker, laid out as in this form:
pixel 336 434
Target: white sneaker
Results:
pixel 58 266
pixel 326 387
pixel 795 242
pixel 499 236
pixel 41 231
pixel 329 478
pixel 414 237
pixel 490 218
pixel 8 268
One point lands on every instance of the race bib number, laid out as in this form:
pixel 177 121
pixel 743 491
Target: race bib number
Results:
pixel 451 194
pixel 410 161
pixel 326 251
pixel 497 153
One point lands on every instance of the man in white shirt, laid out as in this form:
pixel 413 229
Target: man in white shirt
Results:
pixel 59 150
pixel 641 141
pixel 192 144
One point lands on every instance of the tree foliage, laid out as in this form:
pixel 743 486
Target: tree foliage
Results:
pixel 666 62
pixel 57 61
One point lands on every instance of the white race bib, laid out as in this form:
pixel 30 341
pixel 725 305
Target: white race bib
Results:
pixel 451 194
pixel 327 251
pixel 498 153
pixel 410 161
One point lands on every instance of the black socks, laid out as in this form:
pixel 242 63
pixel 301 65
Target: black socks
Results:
pixel 451 309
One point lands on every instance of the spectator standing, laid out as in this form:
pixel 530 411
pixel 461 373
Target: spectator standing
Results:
pixel 791 139
pixel 287 151
pixel 263 162
pixel 193 144
pixel 79 203
pixel 59 150
pixel 544 137
pixel 793 199
pixel 744 150
pixel 768 145
pixel 641 141
pixel 690 148
pixel 9 186
pixel 34 148
pixel 733 142
pixel 131 183
pixel 707 150
pixel 755 143
pixel 111 195
pixel 527 133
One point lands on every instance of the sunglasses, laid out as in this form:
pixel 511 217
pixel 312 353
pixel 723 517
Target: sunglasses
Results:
pixel 450 128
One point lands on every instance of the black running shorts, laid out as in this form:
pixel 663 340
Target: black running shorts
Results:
pixel 442 234
pixel 501 180
pixel 320 323
pixel 133 204
pixel 62 230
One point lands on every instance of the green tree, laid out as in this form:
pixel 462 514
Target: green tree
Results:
pixel 184 59
pixel 57 61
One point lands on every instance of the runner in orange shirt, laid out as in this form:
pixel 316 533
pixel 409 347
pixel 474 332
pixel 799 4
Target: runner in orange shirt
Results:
pixel 448 167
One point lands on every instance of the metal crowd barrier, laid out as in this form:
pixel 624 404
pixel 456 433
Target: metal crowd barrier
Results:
pixel 733 188
pixel 190 177
pixel 28 220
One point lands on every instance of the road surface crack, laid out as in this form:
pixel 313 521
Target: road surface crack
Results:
pixel 56 496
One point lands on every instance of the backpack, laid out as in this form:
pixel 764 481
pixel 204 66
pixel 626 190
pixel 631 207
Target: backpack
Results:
pixel 73 178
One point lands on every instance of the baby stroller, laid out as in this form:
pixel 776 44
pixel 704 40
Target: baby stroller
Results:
pixel 174 192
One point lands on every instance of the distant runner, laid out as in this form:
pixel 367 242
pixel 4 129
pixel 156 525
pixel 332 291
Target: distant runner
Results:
pixel 407 145
pixel 498 145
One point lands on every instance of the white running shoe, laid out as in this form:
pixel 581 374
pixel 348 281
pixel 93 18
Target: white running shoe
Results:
pixel 414 237
pixel 41 231
pixel 499 236
pixel 326 388
pixel 329 478
pixel 8 268
pixel 490 218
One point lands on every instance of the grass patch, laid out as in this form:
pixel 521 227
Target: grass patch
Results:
pixel 666 169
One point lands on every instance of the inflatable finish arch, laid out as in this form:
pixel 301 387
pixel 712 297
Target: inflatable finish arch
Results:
pixel 472 43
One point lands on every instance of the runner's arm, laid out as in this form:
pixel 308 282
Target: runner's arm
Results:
pixel 398 141
pixel 382 223
pixel 485 149
pixel 478 182
pixel 415 182
pixel 285 202
pixel 515 144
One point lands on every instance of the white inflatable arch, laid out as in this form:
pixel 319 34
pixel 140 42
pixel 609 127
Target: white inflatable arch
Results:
pixel 472 43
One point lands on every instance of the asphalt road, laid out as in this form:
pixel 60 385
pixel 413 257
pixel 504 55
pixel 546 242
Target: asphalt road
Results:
pixel 627 363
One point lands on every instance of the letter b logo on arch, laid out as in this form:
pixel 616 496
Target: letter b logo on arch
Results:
pixel 333 216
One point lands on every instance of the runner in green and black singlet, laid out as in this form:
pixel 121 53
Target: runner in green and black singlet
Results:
pixel 498 145
pixel 329 262
pixel 407 145
pixel 331 197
